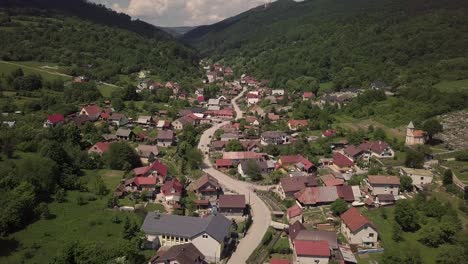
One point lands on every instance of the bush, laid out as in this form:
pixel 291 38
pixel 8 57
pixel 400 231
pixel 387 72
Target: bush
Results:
pixel 267 237
pixel 80 200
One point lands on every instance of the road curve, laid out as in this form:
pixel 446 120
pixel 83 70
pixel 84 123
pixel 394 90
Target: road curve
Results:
pixel 261 215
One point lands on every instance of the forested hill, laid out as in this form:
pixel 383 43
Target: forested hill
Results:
pixel 349 42
pixel 76 32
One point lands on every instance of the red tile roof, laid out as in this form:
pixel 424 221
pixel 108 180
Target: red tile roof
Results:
pixel 55 118
pixel 295 184
pixel 103 146
pixel 341 160
pixel 308 95
pixel 419 133
pixel 201 98
pixel 293 159
pixel 329 133
pixel 354 220
pixel 330 180
pixel 345 192
pixel 92 109
pixel 294 211
pixel 231 201
pixel 239 155
pixel 144 181
pixel 223 162
pixel 378 179
pixel 279 261
pixel 172 187
pixel 314 195
pixel 156 165
pixel 296 123
pixel 312 248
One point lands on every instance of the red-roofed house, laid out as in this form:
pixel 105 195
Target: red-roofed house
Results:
pixel 224 164
pixel 341 162
pixel 306 251
pixel 358 229
pixel 252 98
pixel 296 124
pixel 53 120
pixel 330 180
pixel 155 169
pixel 279 261
pixel 99 148
pixel 294 214
pixel 298 161
pixel 307 96
pixel 314 196
pixel 137 184
pixel 172 191
pixel 329 133
pixel 92 111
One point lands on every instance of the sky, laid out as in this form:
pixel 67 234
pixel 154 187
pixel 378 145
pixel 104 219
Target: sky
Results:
pixel 172 13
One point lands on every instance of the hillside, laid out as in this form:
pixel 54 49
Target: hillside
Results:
pixel 348 42
pixel 77 33
pixel 177 31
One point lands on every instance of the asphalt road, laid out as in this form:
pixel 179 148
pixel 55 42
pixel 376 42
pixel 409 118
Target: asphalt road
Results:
pixel 261 215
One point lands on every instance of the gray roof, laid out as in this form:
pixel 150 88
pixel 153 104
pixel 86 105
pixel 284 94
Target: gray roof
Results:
pixel 123 132
pixel 217 226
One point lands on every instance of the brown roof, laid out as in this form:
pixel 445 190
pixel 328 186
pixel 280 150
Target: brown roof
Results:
pixel 295 184
pixel 294 229
pixel 165 135
pixel 242 155
pixel 231 201
pixel 314 195
pixel 204 180
pixel 185 253
pixel 378 179
pixel 354 220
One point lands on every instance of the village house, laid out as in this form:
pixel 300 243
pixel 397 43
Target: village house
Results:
pixel 251 145
pixel 180 123
pixel 273 117
pixel 165 138
pixel 294 214
pixel 145 121
pixel 232 205
pixel 207 188
pixel 306 252
pixel 92 111
pixel 379 184
pixel 288 186
pixel 297 162
pixel 252 99
pixel 179 254
pixel 224 164
pixel 308 96
pixel 341 163
pixel 252 120
pixel 357 229
pixel 209 234
pixel 80 79
pixel 148 152
pixel 223 113
pixel 117 119
pixel 329 133
pixel 139 184
pixel 99 148
pixel 378 149
pixel 266 166
pixel 171 191
pixel 226 137
pixel 420 177
pixel 277 92
pixel 274 138
pixel 155 169
pixel 316 196
pixel 125 134
pixel 294 125
pixel 218 145
pixel 414 136
pixel 238 156
pixel 54 120
pixel 319 235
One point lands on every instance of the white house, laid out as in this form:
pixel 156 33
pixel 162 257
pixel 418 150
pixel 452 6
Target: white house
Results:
pixel 207 234
pixel 420 177
pixel 358 229
pixel 278 92
pixel 378 184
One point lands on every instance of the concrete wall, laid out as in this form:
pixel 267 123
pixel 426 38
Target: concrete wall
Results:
pixel 209 247
pixel 360 235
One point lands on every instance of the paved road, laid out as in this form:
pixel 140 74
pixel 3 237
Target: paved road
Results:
pixel 260 213
pixel 239 113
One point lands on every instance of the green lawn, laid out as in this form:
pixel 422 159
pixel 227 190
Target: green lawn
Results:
pixel 6 67
pixel 151 207
pixel 42 240
pixel 460 168
pixel 355 124
pixel 107 90
pixel 452 86
pixel 324 87
pixel 111 178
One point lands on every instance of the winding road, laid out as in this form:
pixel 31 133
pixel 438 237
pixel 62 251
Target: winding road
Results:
pixel 261 214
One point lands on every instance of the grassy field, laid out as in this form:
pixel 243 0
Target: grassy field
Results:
pixel 324 87
pixel 110 177
pixel 460 168
pixel 384 226
pixel 355 124
pixel 42 240
pixel 48 71
pixel 107 90
pixel 452 86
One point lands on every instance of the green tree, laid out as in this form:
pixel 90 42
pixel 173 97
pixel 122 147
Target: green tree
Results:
pixel 379 134
pixel 414 158
pixel 121 156
pixel 432 127
pixel 397 233
pixel 406 183
pixel 449 254
pixel 253 170
pixel 234 145
pixel 448 177
pixel 339 206
pixel 406 216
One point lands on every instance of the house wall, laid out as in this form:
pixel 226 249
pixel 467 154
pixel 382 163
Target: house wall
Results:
pixel 362 234
pixel 421 180
pixel 292 220
pixel 232 211
pixel 385 189
pixel 311 260
pixel 208 246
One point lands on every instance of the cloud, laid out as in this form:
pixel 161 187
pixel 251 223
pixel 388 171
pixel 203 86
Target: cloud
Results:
pixel 181 12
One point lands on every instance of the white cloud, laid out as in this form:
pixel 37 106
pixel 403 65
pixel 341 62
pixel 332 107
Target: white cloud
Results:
pixel 181 12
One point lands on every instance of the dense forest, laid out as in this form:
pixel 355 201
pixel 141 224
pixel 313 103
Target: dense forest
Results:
pixel 97 41
pixel 350 43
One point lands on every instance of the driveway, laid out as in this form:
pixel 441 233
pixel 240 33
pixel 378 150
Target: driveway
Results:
pixel 239 113
pixel 261 215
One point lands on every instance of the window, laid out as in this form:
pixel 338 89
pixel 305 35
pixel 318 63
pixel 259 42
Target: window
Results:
pixel 371 234
pixel 205 236
pixel 422 178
